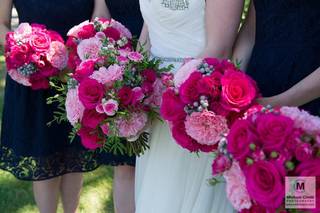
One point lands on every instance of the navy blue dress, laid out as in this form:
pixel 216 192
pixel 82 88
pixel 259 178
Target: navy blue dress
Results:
pixel 128 13
pixel 29 149
pixel 287 47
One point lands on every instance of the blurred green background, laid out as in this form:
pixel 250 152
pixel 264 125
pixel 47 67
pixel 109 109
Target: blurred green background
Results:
pixel 17 197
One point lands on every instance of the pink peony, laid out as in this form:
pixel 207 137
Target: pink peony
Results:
pixel 108 75
pixel 110 107
pixel 89 48
pixel 206 127
pixel 302 119
pixel 132 126
pixel 39 41
pixel 91 93
pixel 188 90
pixel 240 137
pixel 221 164
pixel 92 119
pixel 265 184
pixel 18 77
pixel 236 188
pixel 238 90
pixel 57 55
pixel 90 138
pixel 185 71
pixel 84 70
pixel 172 109
pixel 274 130
pixel 74 107
pixel 135 56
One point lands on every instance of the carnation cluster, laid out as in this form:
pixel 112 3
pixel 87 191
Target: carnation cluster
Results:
pixel 208 95
pixel 261 150
pixel 34 54
pixel 114 90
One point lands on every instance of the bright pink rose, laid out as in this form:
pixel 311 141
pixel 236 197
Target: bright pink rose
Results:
pixel 274 130
pixel 147 87
pixel 179 134
pixel 303 152
pixel 113 33
pixel 240 137
pixel 209 86
pixel 172 109
pixel 73 60
pixel 238 90
pixel 206 127
pixel 188 90
pixel 221 164
pixel 137 95
pixel 38 82
pixel 125 94
pixel 110 107
pixel 55 36
pixel 89 48
pixel 90 138
pixel 74 30
pixel 17 57
pixel 87 31
pixel 40 41
pixel 265 184
pixel 91 118
pixel 57 55
pixel 135 56
pixel 149 75
pixel 311 168
pixel 84 70
pixel 71 43
pixel 91 93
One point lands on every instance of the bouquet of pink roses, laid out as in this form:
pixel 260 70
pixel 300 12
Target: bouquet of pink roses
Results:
pixel 261 150
pixel 34 54
pixel 114 90
pixel 208 94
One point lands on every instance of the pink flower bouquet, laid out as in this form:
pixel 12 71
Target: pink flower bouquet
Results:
pixel 261 150
pixel 208 95
pixel 113 91
pixel 34 54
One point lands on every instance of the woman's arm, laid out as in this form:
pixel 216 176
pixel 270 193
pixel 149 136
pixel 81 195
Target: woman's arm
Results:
pixel 100 9
pixel 222 24
pixel 5 19
pixel 246 39
pixel 144 40
pixel 303 92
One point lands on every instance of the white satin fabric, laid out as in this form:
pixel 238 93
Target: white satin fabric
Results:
pixel 170 179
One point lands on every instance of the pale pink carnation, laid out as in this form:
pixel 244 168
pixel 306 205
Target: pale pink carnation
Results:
pixel 302 119
pixel 206 127
pixel 76 29
pixel 185 71
pixel 122 59
pixel 57 55
pixel 74 107
pixel 135 56
pixel 124 52
pixel 110 107
pixel 100 36
pixel 108 76
pixel 236 188
pixel 122 29
pixel 131 127
pixel 89 48
pixel 18 77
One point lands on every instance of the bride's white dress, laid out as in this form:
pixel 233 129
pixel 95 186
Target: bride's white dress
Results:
pixel 170 179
